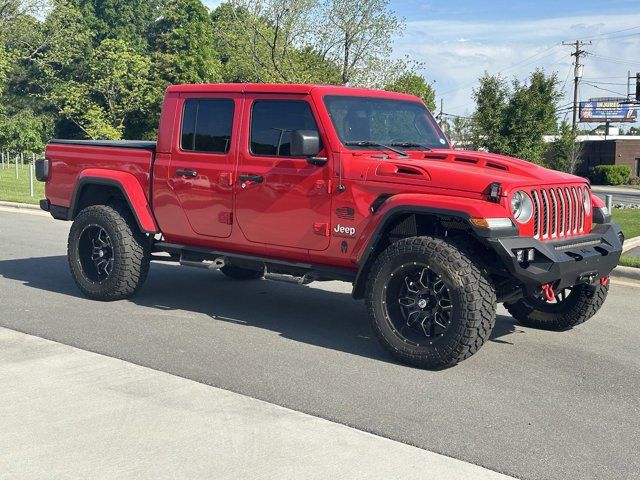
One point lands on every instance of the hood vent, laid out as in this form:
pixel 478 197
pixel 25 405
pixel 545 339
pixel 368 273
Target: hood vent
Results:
pixel 466 160
pixel 497 166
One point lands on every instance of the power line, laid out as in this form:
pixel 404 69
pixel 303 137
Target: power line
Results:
pixel 615 31
pixel 605 89
pixel 520 63
pixel 618 61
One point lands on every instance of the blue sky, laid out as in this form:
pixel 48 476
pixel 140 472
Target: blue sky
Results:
pixel 459 40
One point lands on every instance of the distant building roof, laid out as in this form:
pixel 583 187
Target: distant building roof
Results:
pixel 596 138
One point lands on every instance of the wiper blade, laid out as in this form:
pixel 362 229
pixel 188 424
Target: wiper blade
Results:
pixel 368 143
pixel 411 144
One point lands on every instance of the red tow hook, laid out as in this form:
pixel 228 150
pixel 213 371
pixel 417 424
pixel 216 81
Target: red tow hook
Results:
pixel 547 291
pixel 603 280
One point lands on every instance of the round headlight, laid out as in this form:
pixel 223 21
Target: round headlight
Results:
pixel 587 201
pixel 521 206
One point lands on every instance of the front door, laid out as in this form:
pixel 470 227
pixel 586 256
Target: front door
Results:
pixel 280 199
pixel 201 169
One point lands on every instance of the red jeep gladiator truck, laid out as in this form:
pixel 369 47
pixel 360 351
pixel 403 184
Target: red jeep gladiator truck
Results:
pixel 313 183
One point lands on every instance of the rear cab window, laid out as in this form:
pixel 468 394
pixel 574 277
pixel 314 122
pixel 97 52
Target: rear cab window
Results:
pixel 206 125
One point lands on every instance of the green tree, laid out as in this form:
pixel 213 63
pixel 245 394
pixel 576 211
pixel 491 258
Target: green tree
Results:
pixel 491 97
pixel 117 84
pixel 183 42
pixel 270 41
pixel 564 150
pixel 513 120
pixel 461 131
pixel 129 20
pixel 531 114
pixel 415 85
pixel 25 132
pixel 357 35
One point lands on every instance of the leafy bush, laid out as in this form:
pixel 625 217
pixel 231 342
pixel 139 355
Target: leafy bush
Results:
pixel 611 174
pixel 633 180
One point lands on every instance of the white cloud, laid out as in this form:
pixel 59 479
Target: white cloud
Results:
pixel 456 53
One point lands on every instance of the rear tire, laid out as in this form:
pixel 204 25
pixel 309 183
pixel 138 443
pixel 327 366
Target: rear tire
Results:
pixel 108 255
pixel 582 303
pixel 429 303
pixel 239 273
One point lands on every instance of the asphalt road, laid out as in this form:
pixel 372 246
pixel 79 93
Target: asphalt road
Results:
pixel 626 196
pixel 532 404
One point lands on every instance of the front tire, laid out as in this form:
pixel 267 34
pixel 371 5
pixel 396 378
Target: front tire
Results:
pixel 430 304
pixel 572 307
pixel 108 255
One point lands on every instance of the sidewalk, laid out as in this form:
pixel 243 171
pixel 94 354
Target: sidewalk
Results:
pixel 69 413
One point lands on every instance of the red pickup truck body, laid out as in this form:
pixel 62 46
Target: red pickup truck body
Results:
pixel 331 213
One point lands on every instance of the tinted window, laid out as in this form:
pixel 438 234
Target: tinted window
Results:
pixel 206 125
pixel 383 120
pixel 272 122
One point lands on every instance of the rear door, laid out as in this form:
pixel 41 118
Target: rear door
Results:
pixel 281 199
pixel 201 168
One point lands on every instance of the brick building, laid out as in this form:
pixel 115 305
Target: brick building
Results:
pixel 609 150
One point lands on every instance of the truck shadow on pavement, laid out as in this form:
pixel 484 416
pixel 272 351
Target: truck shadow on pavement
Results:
pixel 309 314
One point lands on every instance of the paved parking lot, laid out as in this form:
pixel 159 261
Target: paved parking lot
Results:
pixel 531 404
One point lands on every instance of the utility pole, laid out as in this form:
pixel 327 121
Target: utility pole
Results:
pixel 577 76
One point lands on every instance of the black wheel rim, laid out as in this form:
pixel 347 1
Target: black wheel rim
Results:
pixel 418 304
pixel 95 251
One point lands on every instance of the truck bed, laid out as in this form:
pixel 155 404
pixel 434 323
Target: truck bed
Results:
pixel 137 144
pixel 72 159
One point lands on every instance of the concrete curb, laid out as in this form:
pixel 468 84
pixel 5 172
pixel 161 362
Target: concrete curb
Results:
pixel 18 205
pixel 629 273
pixel 631 243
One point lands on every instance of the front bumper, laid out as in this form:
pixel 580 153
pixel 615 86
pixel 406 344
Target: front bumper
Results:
pixel 566 262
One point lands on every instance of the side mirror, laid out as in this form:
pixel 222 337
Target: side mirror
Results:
pixel 305 143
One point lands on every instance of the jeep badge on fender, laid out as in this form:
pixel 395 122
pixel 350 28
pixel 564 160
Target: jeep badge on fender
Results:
pixel 341 231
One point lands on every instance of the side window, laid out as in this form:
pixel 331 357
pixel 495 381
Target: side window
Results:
pixel 272 122
pixel 206 125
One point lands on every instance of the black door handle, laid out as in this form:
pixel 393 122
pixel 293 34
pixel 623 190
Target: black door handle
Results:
pixel 186 173
pixel 251 178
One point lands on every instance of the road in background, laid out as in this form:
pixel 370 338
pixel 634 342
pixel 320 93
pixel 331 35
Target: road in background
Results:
pixel 625 196
pixel 532 404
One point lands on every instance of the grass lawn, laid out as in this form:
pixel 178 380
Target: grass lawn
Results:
pixel 12 190
pixel 626 261
pixel 629 221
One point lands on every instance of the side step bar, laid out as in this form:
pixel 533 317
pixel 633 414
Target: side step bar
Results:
pixel 281 277
pixel 215 264
pixel 279 270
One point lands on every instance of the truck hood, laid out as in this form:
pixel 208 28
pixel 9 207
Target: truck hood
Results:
pixel 469 171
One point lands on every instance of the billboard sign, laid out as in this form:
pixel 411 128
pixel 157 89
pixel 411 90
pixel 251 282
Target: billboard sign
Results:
pixel 608 110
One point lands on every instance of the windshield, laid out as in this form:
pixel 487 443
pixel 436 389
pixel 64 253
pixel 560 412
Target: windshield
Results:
pixel 362 122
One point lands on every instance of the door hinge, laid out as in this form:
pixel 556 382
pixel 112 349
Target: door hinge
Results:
pixel 226 218
pixel 321 228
